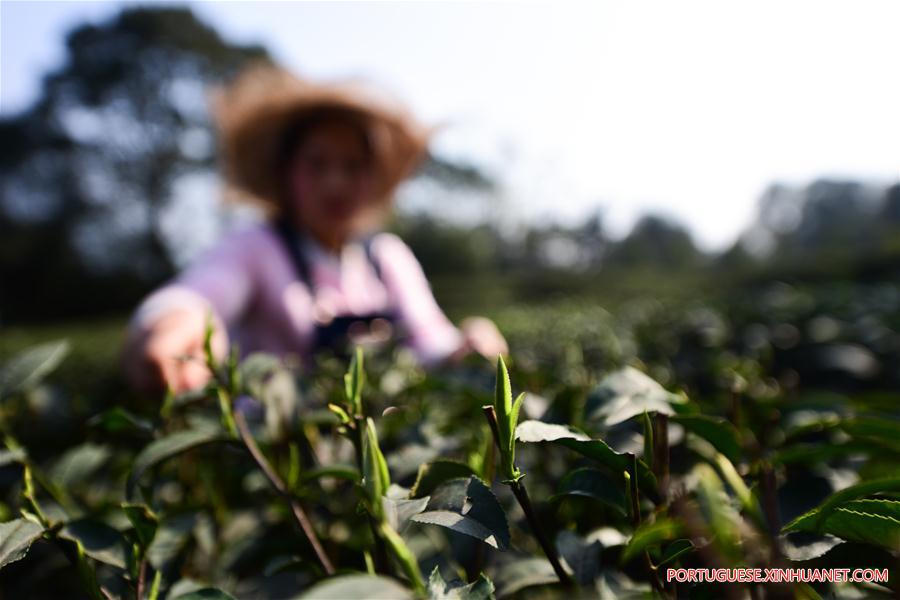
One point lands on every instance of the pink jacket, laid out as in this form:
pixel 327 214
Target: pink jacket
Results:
pixel 250 282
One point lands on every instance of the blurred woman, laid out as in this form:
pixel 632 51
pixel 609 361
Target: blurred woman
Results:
pixel 323 161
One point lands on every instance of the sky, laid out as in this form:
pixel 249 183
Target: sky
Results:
pixel 689 109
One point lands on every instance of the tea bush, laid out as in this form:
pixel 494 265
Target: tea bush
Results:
pixel 759 433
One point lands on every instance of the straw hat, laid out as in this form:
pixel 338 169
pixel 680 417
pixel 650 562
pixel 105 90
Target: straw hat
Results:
pixel 257 110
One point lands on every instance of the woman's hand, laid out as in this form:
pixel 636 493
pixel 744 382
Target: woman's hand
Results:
pixel 482 336
pixel 169 353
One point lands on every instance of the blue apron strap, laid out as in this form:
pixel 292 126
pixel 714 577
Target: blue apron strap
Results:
pixel 370 256
pixel 292 245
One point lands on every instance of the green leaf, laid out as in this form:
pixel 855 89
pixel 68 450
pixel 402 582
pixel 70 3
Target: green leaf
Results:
pixel 883 430
pixel 736 482
pixel 400 510
pixel 358 587
pixel 514 421
pixel 78 464
pixel 675 550
pixel 872 521
pixel 717 431
pixel 154 586
pixel 438 589
pixel 208 593
pixel 723 520
pixel 628 393
pixel 468 506
pixel 433 474
pixel 581 556
pixel 172 535
pixel 16 538
pixel 119 420
pixel 376 478
pixel 403 555
pixel 27 369
pixel 596 450
pixel 538 431
pixel 648 536
pixel 8 457
pixel 591 483
pixel 353 382
pixel 503 403
pixel 144 521
pixel 99 541
pixel 867 488
pixel 342 415
pixel 87 572
pixel 520 574
pixel 810 454
pixel 283 563
pixel 167 447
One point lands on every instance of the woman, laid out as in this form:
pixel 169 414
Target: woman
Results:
pixel 323 160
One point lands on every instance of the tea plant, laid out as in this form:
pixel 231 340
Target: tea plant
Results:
pixel 379 480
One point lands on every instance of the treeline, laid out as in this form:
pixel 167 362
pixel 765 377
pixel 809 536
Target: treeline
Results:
pixel 816 227
pixel 108 185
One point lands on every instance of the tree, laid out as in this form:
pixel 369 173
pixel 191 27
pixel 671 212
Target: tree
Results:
pixel 656 242
pixel 91 170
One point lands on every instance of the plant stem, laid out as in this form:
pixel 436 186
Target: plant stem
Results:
pixel 278 484
pixel 491 417
pixel 521 494
pixel 768 489
pixel 635 499
pixel 141 579
pixel 636 519
pixel 661 455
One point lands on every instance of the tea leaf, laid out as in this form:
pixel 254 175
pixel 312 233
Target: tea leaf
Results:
pixel 360 587
pixel 144 521
pixel 649 535
pixel 434 473
pixel 717 431
pixel 820 513
pixel 514 420
pixel 100 541
pixel 871 521
pixel 8 457
pixel 597 450
pixel 353 383
pixel 79 463
pixel 582 557
pixel 167 447
pixel 468 506
pixel 400 511
pixel 520 574
pixel 438 589
pixel 628 393
pixel 208 593
pixel 674 551
pixel 118 420
pixel 16 538
pixel 31 366
pixel 595 484
pixel 172 535
pixel 376 477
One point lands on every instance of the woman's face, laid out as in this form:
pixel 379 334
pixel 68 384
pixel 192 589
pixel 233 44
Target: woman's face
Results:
pixel 331 183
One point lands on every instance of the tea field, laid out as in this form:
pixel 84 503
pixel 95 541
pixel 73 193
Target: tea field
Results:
pixel 758 427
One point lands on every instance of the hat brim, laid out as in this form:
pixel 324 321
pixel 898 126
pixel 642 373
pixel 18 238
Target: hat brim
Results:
pixel 254 113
